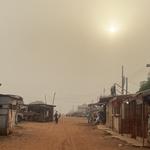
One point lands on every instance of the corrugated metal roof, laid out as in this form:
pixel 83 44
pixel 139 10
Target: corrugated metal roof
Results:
pixel 105 99
pixel 12 96
pixel 42 105
pixel 144 93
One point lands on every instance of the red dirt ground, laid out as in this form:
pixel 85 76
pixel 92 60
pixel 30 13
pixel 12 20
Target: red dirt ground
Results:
pixel 69 134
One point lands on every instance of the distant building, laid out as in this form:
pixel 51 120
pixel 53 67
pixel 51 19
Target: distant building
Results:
pixel 38 111
pixel 82 108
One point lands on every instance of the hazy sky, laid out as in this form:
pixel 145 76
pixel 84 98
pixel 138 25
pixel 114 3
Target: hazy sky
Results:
pixel 73 47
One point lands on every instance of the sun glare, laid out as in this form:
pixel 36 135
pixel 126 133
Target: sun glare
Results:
pixel 113 28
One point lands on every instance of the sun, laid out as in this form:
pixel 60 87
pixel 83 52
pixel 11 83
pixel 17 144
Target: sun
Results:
pixel 113 28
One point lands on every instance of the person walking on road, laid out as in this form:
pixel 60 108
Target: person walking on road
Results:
pixel 56 117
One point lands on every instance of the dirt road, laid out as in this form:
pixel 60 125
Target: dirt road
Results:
pixel 69 134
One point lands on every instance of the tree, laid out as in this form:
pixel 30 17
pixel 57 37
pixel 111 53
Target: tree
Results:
pixel 145 85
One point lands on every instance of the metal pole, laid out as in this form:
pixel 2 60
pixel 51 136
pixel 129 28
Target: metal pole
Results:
pixel 122 91
pixel 54 98
pixel 45 100
pixel 126 86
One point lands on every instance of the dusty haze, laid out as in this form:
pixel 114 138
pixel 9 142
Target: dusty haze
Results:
pixel 64 46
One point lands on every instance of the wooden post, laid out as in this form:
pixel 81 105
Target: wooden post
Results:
pixel 143 131
pixel 126 86
pixel 122 90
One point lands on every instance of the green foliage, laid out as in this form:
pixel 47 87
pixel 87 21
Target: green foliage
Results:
pixel 145 86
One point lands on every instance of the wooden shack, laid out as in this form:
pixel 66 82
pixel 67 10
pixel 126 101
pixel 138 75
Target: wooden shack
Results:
pixel 40 112
pixel 131 115
pixel 9 107
pixel 136 116
pixel 117 107
pixel 104 101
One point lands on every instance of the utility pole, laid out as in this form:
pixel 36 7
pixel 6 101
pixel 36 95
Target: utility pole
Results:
pixel 148 65
pixel 45 99
pixel 122 91
pixel 54 98
pixel 126 85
